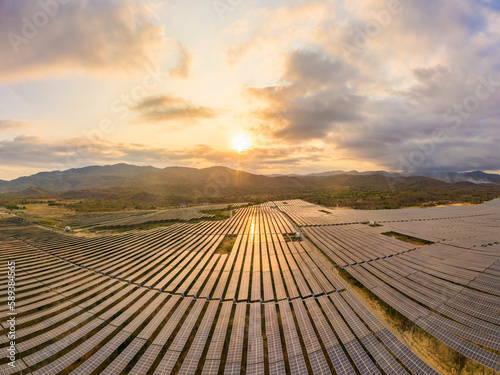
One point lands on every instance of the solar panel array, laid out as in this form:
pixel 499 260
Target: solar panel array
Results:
pixel 134 218
pixel 167 300
pixel 450 288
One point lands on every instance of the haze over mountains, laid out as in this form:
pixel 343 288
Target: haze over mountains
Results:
pixel 126 187
pixel 154 179
pixel 476 177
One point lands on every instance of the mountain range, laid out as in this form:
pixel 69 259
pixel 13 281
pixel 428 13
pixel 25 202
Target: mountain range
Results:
pixel 152 178
pixel 208 180
pixel 476 177
pixel 123 186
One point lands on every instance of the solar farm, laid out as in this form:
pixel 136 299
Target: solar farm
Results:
pixel 131 219
pixel 246 295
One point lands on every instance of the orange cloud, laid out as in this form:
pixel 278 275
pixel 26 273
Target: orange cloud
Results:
pixel 52 38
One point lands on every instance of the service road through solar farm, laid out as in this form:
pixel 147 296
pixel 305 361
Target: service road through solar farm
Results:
pixel 245 295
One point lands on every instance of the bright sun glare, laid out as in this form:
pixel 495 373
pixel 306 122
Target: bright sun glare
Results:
pixel 241 142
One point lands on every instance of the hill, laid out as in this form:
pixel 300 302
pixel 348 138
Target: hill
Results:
pixel 123 186
pixel 476 177
pixel 78 178
pixel 208 180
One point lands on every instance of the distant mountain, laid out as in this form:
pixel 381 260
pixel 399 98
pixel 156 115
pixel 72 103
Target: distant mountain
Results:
pixel 323 174
pixel 78 178
pixel 181 180
pixel 125 176
pixel 123 187
pixel 476 177
pixel 352 173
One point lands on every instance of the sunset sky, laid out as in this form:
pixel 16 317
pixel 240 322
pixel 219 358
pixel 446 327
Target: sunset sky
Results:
pixel 300 85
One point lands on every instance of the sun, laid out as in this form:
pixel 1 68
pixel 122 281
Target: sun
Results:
pixel 241 142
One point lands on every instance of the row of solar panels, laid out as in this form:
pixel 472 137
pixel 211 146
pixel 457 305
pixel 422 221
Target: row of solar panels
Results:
pixel 72 318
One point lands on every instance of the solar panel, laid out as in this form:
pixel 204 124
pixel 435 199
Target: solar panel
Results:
pixel 90 304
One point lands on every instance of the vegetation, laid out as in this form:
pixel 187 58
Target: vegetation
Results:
pixel 376 199
pixel 92 192
pixel 218 214
pixel 101 205
pixel 147 226
pixel 226 244
pixel 356 198
pixel 12 207
pixel 124 187
pixel 409 239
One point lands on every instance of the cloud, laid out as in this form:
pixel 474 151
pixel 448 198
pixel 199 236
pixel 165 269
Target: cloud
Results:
pixel 58 38
pixel 271 29
pixel 30 151
pixel 316 101
pixel 12 124
pixel 163 108
pixel 382 103
pixel 313 99
pixel 181 70
pixel 27 153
